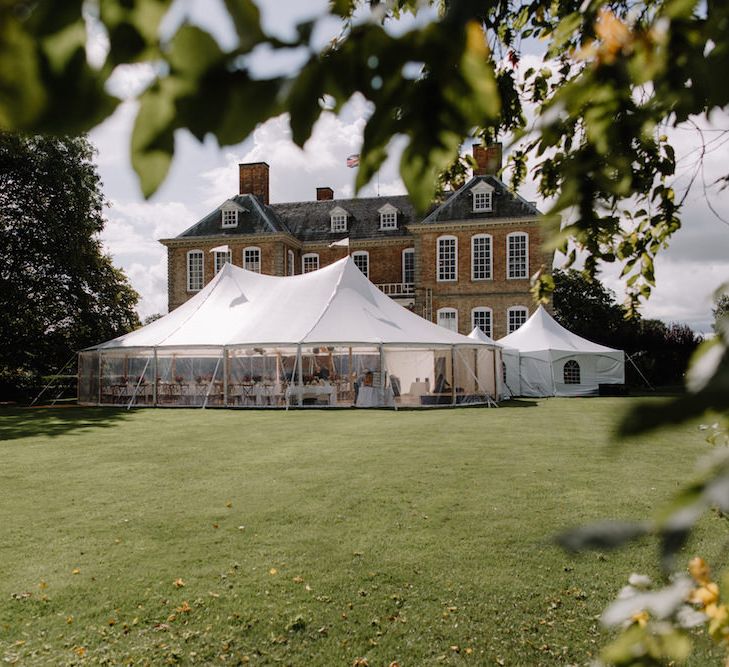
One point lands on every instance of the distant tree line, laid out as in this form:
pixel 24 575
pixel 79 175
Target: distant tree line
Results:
pixel 589 309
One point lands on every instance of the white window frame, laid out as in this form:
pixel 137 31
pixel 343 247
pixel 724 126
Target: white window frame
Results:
pixel 439 260
pixel 483 197
pixel 201 255
pixel 311 256
pixel 366 255
pixel 489 268
pixel 252 248
pixel 572 363
pixel 388 217
pixel 490 312
pixel 220 258
pixel 513 310
pixel 291 267
pixel 452 314
pixel 338 218
pixel 408 252
pixel 228 217
pixel 510 259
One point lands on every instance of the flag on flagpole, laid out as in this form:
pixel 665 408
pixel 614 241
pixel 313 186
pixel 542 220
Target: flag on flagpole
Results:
pixel 220 248
pixel 353 160
pixel 342 243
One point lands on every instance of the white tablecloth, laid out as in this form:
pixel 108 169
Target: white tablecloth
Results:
pixel 375 397
pixel 328 391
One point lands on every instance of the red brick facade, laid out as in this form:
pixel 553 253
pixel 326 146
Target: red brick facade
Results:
pixel 426 295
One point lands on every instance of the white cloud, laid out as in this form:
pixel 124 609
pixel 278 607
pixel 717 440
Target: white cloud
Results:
pixel 132 235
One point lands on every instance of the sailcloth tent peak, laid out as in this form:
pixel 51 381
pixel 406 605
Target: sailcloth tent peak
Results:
pixel 333 305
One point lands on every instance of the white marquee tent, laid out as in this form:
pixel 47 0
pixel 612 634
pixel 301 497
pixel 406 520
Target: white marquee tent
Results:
pixel 328 337
pixel 542 358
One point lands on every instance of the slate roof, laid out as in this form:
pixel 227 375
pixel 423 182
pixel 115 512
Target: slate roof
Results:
pixel 459 206
pixel 311 220
pixel 256 218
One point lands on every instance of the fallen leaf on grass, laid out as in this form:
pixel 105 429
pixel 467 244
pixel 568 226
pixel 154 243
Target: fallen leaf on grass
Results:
pixel 42 585
pixel 298 580
pixel 21 596
pixel 178 583
pixel 69 619
pixel 184 608
pixel 229 504
pixel 79 651
pixel 216 525
pixel 360 662
pixel 76 571
pixel 273 571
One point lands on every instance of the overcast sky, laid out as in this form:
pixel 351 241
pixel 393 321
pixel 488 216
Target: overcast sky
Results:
pixel 204 175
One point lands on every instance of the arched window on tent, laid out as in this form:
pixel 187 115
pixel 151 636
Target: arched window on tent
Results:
pixel 571 372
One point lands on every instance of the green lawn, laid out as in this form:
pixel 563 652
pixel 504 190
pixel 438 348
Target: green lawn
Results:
pixel 316 538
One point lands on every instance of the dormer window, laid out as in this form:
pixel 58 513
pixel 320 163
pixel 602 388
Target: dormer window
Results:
pixel 483 195
pixel 229 214
pixel 388 217
pixel 230 218
pixel 339 219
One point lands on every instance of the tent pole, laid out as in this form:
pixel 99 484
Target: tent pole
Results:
pixel 453 375
pixel 300 370
pixel 212 382
pixel 554 382
pixel 156 380
pixel 139 382
pixel 497 370
pixel 645 379
pixel 99 377
pixel 53 377
pixel 225 376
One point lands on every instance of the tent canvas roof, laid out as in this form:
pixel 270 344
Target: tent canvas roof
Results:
pixel 542 332
pixel 479 335
pixel 334 305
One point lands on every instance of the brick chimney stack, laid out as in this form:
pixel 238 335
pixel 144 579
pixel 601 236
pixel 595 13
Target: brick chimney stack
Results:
pixel 324 194
pixel 254 180
pixel 488 159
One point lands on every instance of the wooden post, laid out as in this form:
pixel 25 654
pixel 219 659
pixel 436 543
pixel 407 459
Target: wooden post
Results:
pixel 100 376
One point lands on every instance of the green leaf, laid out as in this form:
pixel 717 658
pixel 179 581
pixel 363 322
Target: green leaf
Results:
pixel 303 100
pixel 61 46
pixel 133 27
pixel 193 52
pixel 22 94
pixel 153 138
pixel 247 21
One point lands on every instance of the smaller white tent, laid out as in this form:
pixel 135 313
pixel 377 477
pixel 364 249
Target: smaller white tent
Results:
pixel 542 358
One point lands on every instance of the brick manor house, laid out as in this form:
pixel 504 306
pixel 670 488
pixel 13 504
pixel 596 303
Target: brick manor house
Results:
pixel 466 263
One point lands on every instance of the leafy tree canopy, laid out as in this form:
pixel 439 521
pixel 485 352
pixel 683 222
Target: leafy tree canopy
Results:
pixel 59 292
pixel 613 75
